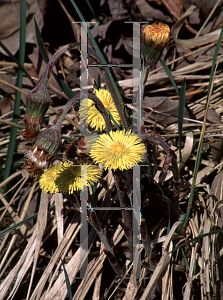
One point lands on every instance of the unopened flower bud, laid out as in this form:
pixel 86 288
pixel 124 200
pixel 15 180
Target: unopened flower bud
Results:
pixel 154 39
pixel 37 101
pixel 46 146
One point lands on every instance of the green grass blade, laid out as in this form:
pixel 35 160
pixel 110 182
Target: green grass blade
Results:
pixel 17 225
pixel 99 82
pixel 17 62
pixel 214 62
pixel 169 74
pixel 40 43
pixel 197 238
pixel 111 117
pixel 91 9
pixel 67 282
pixel 181 107
pixel 13 132
pixel 200 148
pixel 68 92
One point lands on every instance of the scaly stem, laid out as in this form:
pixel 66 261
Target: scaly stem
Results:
pixel 110 88
pixel 99 105
pixel 144 76
pixel 103 71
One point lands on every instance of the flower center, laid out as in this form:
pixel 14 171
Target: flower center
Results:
pixel 117 148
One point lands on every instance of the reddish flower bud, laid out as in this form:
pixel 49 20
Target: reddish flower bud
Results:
pixel 154 39
pixel 37 104
pixel 46 146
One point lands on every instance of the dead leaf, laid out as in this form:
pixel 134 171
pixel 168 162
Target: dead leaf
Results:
pixel 10 18
pixel 5 106
pixel 5 87
pixel 188 147
pixel 150 13
pixel 117 9
pixel 194 42
pixel 174 7
pixel 164 110
pixel 216 149
pixel 217 186
pixel 12 40
pixel 213 117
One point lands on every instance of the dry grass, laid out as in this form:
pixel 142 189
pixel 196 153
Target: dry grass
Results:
pixel 31 254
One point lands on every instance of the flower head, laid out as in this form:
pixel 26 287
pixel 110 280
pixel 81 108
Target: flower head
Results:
pixel 92 116
pixel 37 104
pixel 47 180
pixel 46 146
pixel 118 150
pixel 157 33
pixel 70 178
pixel 154 39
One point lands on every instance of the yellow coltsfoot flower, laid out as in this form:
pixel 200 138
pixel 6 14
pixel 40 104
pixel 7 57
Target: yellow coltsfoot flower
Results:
pixel 118 150
pixel 93 117
pixel 70 178
pixel 47 179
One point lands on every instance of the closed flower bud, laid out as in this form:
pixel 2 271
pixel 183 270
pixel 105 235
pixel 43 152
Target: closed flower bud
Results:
pixel 46 146
pixel 37 104
pixel 154 39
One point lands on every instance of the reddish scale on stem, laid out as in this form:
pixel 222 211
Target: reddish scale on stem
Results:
pixel 45 147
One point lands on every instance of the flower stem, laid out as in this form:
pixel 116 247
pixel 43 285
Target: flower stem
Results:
pixel 144 76
pixel 103 70
pixel 99 105
pixel 110 88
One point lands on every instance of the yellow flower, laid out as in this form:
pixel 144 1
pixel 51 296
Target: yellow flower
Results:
pixel 93 117
pixel 47 180
pixel 157 33
pixel 154 39
pixel 70 179
pixel 118 150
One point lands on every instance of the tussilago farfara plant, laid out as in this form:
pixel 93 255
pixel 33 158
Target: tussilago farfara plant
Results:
pixel 111 146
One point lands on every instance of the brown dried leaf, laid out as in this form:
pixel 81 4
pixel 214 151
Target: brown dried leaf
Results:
pixel 5 106
pixel 12 40
pixel 194 42
pixel 217 186
pixel 150 13
pixel 216 149
pixel 117 9
pixel 8 79
pixel 213 117
pixel 164 110
pixel 10 18
pixel 188 147
pixel 175 7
